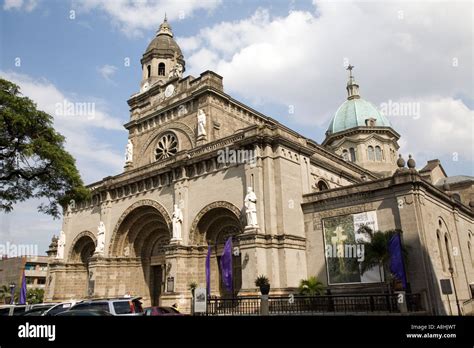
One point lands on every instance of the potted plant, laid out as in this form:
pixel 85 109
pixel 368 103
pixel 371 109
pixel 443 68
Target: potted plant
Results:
pixel 263 283
pixel 192 286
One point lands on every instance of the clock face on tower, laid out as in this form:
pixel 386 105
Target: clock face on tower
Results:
pixel 169 91
pixel 145 86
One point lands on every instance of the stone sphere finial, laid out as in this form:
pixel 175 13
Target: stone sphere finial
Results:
pixel 411 162
pixel 400 161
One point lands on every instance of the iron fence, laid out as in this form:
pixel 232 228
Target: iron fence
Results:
pixel 317 305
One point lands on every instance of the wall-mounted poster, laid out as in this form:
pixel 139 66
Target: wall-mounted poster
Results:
pixel 344 249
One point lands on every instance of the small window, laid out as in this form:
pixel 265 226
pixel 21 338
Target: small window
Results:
pixel 41 281
pixel 370 153
pixel 440 250
pixel 450 261
pixel 345 155
pixel 378 154
pixel 322 186
pixel 148 70
pixel 161 69
pixel 352 154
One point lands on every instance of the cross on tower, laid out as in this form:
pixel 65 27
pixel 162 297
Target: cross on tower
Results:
pixel 350 67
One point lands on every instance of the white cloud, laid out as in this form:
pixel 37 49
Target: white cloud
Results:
pixel 401 50
pixel 445 127
pixel 107 71
pixel 27 5
pixel 95 157
pixel 133 17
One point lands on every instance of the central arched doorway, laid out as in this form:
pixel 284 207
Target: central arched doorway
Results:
pixel 142 233
pixel 83 248
pixel 215 224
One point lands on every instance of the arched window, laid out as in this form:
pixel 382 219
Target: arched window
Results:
pixel 378 153
pixel 148 68
pixel 370 153
pixel 352 154
pixel 469 247
pixel 345 155
pixel 448 252
pixel 440 250
pixel 161 69
pixel 322 186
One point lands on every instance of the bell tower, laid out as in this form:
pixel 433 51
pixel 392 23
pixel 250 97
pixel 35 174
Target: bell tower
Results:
pixel 162 60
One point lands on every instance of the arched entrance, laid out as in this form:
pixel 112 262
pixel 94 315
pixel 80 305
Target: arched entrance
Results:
pixel 83 248
pixel 142 233
pixel 215 224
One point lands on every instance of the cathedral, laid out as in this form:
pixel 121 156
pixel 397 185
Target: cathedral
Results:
pixel 202 167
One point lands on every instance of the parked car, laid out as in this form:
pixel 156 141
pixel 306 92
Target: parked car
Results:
pixel 59 308
pixel 116 306
pixel 154 311
pixel 12 310
pixel 84 313
pixel 38 309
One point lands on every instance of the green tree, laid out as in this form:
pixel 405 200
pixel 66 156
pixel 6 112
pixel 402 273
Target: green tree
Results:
pixel 311 287
pixel 5 293
pixel 376 251
pixel 33 161
pixel 34 296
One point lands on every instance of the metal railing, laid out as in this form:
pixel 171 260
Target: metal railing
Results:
pixel 233 306
pixel 318 305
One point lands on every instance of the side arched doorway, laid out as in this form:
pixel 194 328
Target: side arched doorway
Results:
pixel 215 224
pixel 83 248
pixel 142 234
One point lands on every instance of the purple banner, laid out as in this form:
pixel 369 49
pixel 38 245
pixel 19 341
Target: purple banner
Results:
pixel 396 259
pixel 23 290
pixel 226 265
pixel 208 271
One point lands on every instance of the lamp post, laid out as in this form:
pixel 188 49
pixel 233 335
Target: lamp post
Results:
pixel 12 292
pixel 451 270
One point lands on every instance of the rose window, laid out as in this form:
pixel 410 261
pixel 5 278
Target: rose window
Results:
pixel 167 146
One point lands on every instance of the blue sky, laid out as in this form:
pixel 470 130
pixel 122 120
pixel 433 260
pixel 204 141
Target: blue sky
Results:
pixel 276 56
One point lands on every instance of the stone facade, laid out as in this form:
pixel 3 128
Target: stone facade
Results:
pixel 175 159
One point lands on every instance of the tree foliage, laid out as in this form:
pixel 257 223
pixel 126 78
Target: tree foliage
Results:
pixel 33 161
pixel 376 251
pixel 311 287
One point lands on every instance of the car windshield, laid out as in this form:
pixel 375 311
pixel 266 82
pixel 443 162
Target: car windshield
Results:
pixel 99 306
pixel 59 308
pixel 122 307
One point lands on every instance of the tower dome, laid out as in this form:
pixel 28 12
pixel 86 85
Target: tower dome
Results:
pixel 359 133
pixel 163 59
pixel 355 111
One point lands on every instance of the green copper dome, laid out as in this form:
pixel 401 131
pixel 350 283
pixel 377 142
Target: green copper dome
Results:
pixel 354 113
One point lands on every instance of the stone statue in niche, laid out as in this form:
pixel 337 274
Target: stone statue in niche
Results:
pixel 129 152
pixel 100 238
pixel 251 208
pixel 61 245
pixel 177 220
pixel 201 116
